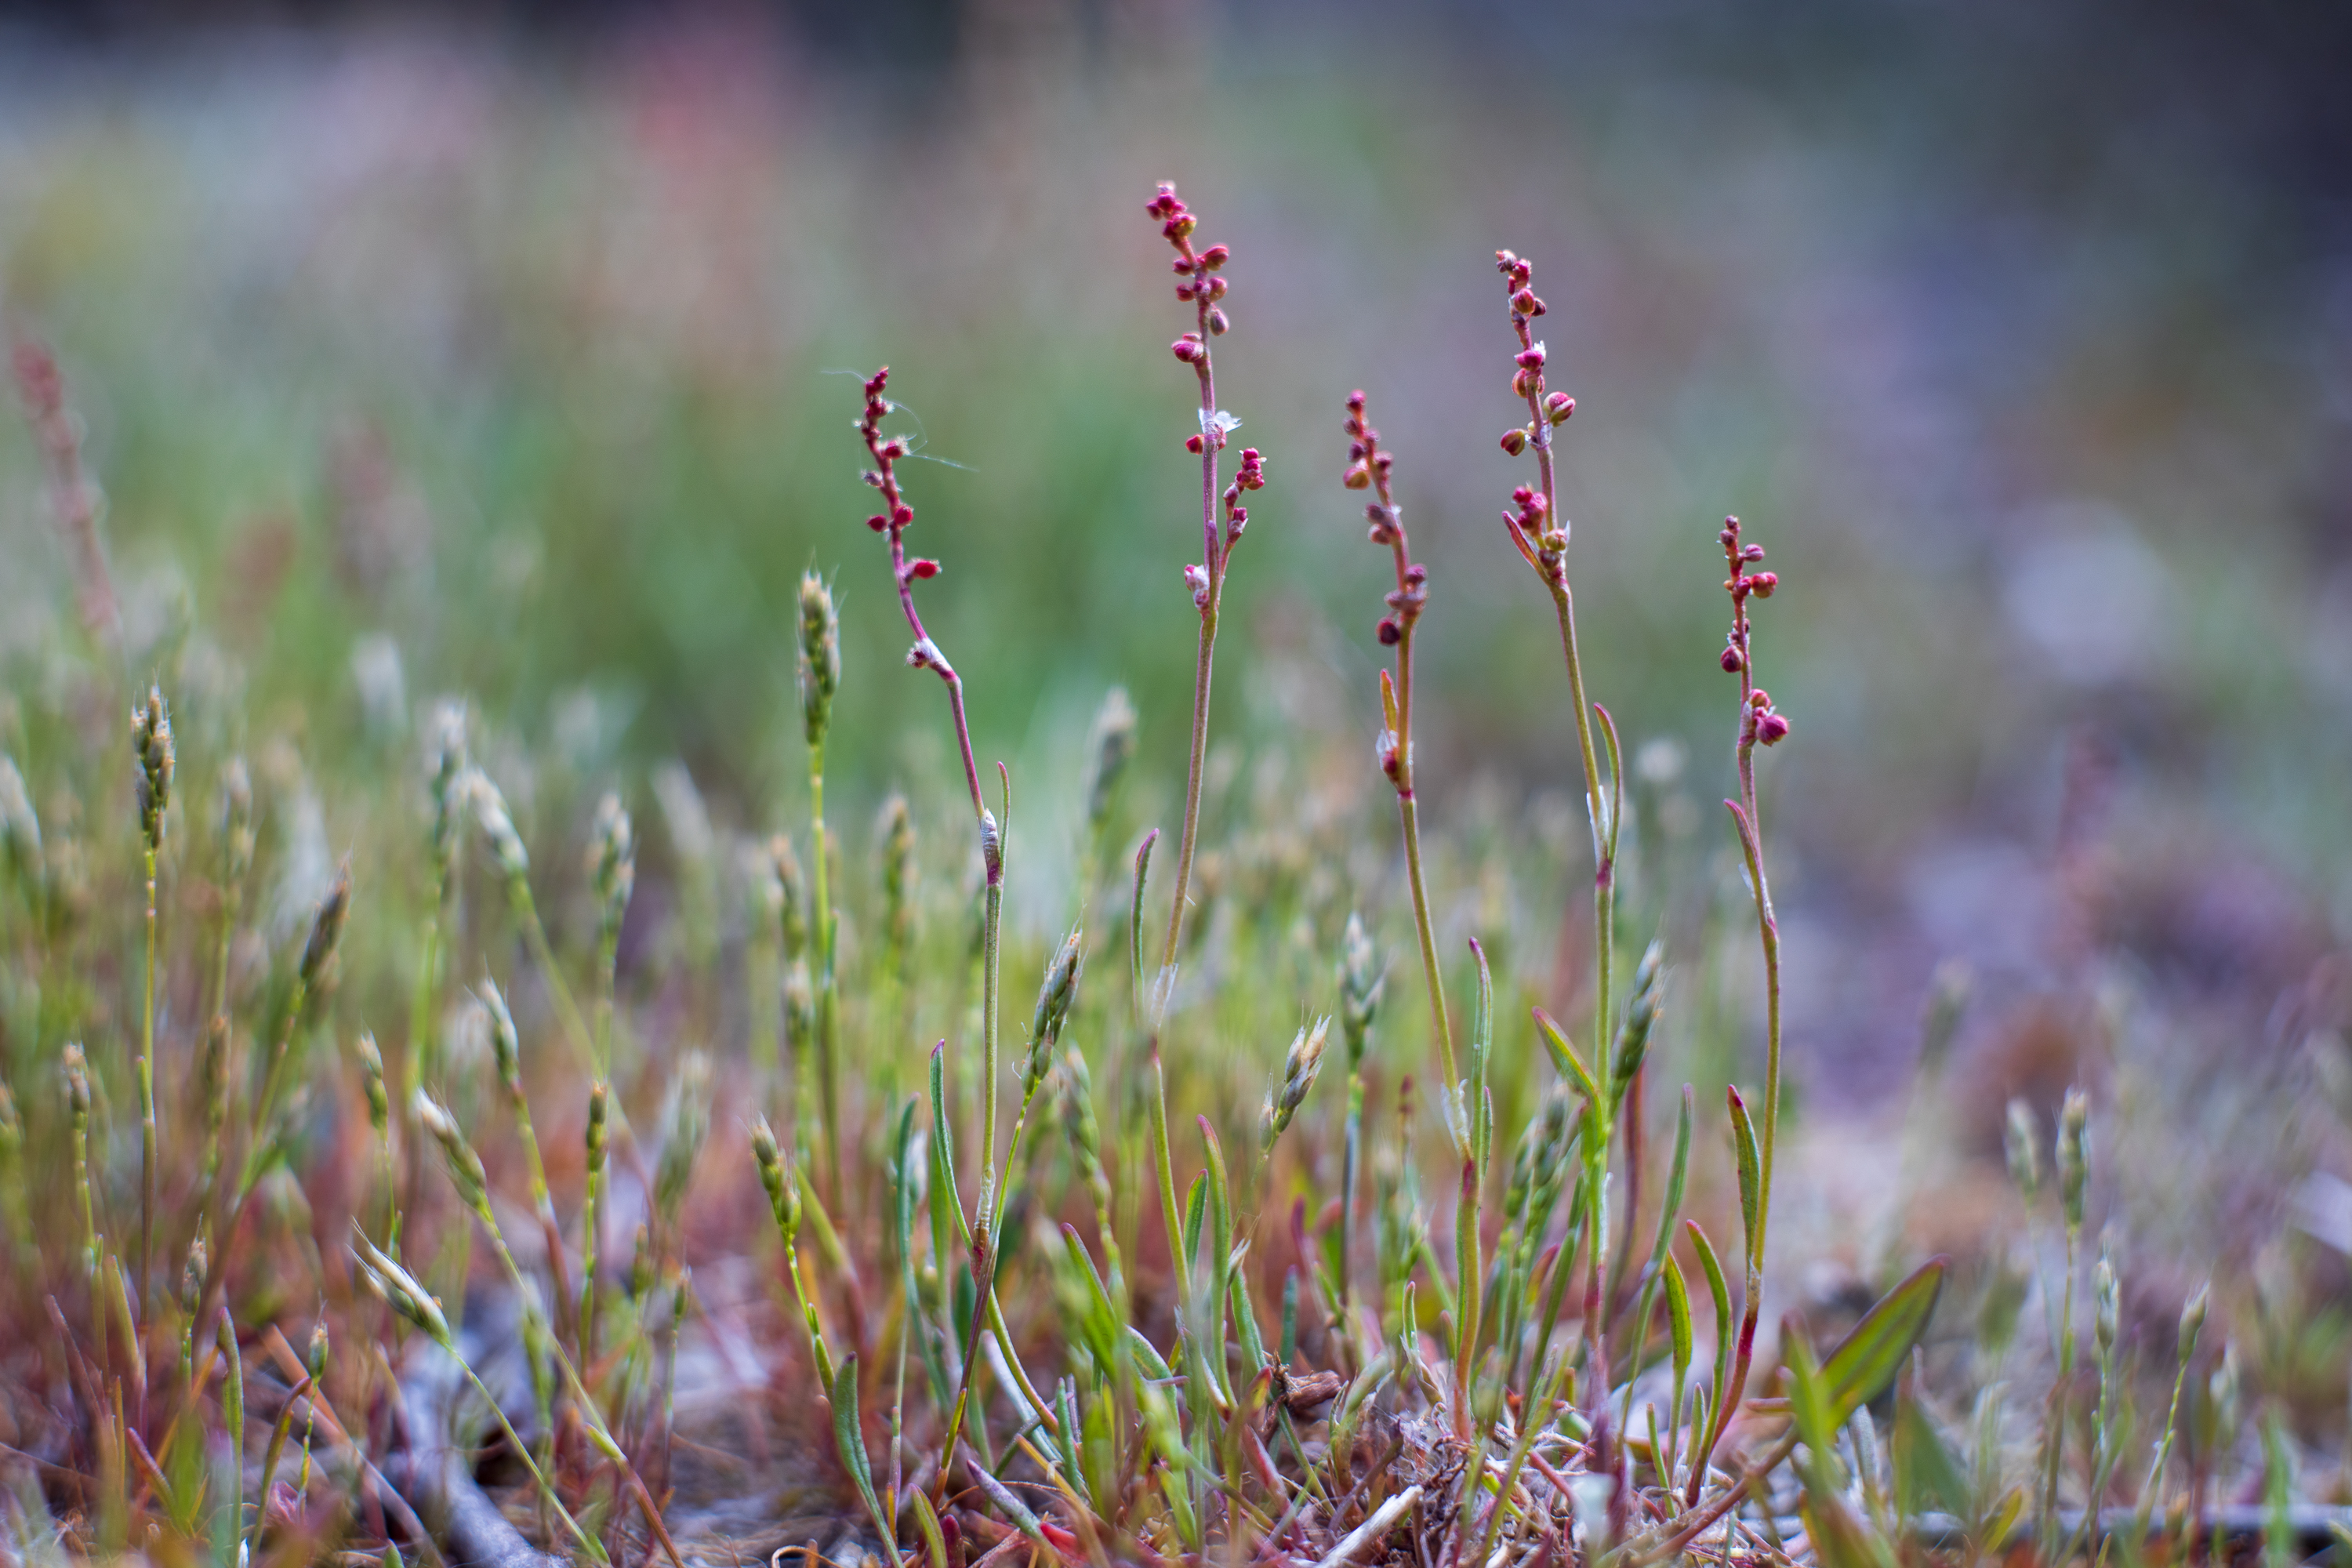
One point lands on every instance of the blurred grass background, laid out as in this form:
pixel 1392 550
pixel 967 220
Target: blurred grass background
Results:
pixel 423 352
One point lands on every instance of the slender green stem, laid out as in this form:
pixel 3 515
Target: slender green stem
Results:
pixel 147 1150
pixel 1203 668
pixel 828 1002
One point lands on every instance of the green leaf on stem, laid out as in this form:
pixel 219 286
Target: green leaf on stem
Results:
pixel 1564 1056
pixel 852 1441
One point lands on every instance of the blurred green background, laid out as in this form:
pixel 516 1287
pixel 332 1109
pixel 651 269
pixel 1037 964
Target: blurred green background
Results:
pixel 423 353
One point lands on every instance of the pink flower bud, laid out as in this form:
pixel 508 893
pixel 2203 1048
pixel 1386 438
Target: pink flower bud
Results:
pixel 1192 444
pixel 1558 406
pixel 1532 358
pixel 1186 349
pixel 1515 441
pixel 878 522
pixel 1763 582
pixel 1218 324
pixel 1753 553
pixel 1184 293
pixel 1391 633
pixel 1771 729
pixel 1358 476
pixel 1731 660
pixel 902 515
pixel 921 569
pixel 1216 255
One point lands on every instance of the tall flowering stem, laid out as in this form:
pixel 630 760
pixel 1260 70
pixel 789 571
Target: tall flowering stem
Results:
pixel 893 519
pixel 1369 469
pixel 151 736
pixel 1201 285
pixel 1760 724
pixel 1540 535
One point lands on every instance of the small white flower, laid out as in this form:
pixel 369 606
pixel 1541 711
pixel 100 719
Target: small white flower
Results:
pixel 1218 423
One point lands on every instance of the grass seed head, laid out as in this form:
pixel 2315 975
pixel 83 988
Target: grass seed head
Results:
pixel 464 1167
pixel 151 739
pixel 899 872
pixel 820 665
pixel 192 1277
pixel 792 913
pixel 2107 1302
pixel 2025 1145
pixel 1112 749
pixel 1054 998
pixel 2073 1155
pixel 77 1071
pixel 497 824
pixel 327 927
pixel 599 1098
pixel 315 1361
pixel 20 827
pixel 2192 1323
pixel 1300 1065
pixel 687 1123
pixel 445 738
pixel 1640 1018
pixel 234 812
pixel 212 1076
pixel 612 863
pixel 400 1289
pixel 379 1100
pixel 1073 1108
pixel 506 1045
pixel 1360 989
pixel 776 1176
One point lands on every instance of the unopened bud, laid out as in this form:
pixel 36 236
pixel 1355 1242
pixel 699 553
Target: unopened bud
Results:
pixel 1300 1066
pixel 378 1102
pixel 2192 1323
pixel 2073 1155
pixel 1558 406
pixel 2025 1151
pixel 1515 441
pixel 327 926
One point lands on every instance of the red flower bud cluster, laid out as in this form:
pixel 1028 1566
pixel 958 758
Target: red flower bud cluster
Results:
pixel 1197 282
pixel 1369 467
pixel 1250 475
pixel 1541 540
pixel 1759 722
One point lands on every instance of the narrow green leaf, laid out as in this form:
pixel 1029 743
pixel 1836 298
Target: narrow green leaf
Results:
pixel 1867 1359
pixel 1678 1317
pixel 1196 1209
pixel 1927 1475
pixel 1564 1056
pixel 934 1541
pixel 1721 1294
pixel 1480 1107
pixel 852 1441
pixel 1752 1176
pixel 1155 1365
